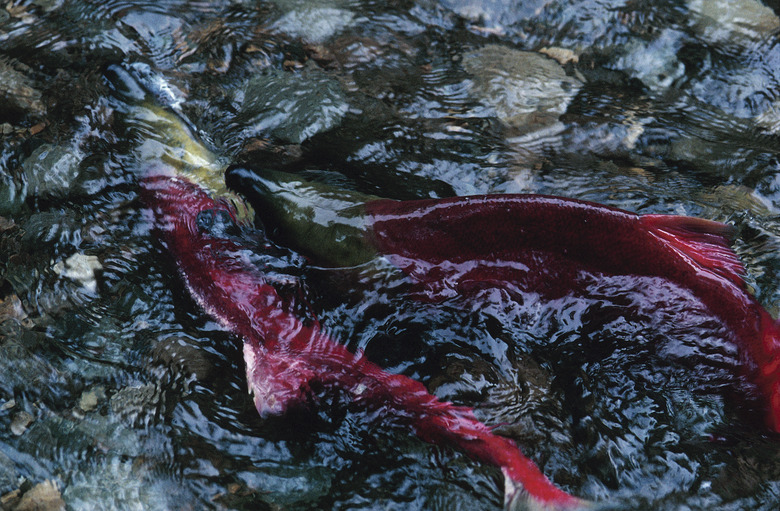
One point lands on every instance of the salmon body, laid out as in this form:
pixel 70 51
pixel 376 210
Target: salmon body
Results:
pixel 542 244
pixel 287 355
pixel 448 247
pixel 478 241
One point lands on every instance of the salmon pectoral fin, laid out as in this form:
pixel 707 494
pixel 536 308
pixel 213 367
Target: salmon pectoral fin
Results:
pixel 705 242
pixel 276 382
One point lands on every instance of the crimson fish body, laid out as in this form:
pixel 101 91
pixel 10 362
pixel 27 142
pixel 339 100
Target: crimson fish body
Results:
pixel 536 243
pixel 561 239
pixel 286 354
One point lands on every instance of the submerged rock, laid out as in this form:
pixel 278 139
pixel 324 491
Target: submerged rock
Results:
pixel 729 21
pixel 18 95
pixel 43 496
pixel 7 476
pixel 12 194
pixel 137 403
pixel 526 90
pixel 497 16
pixel 182 358
pixel 736 198
pixel 23 362
pixel 51 170
pixel 290 106
pixel 653 62
pixel 769 119
pixel 20 422
pixel 80 268
pixel 122 485
pixel 314 24
pixel 157 30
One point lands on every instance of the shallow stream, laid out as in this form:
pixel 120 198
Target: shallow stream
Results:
pixel 119 389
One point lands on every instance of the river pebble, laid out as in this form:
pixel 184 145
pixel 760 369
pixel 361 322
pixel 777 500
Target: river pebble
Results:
pixel 80 268
pixel 526 90
pixel 730 21
pixel 43 496
pixel 290 106
pixel 11 308
pixel 90 398
pixel 20 422
pixel 18 94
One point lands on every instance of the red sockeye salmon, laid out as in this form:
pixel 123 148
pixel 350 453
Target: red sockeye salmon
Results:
pixel 537 243
pixel 286 355
pixel 450 246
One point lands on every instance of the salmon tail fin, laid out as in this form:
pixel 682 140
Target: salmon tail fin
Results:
pixel 517 498
pixel 526 487
pixel 705 242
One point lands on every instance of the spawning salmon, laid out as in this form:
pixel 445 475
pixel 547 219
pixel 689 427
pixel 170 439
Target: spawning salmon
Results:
pixel 536 243
pixel 287 354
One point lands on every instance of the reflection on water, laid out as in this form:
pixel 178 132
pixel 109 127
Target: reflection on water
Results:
pixel 120 390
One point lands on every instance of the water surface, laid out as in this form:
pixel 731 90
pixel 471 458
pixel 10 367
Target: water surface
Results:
pixel 116 386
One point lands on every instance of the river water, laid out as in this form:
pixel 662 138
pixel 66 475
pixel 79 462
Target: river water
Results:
pixel 120 390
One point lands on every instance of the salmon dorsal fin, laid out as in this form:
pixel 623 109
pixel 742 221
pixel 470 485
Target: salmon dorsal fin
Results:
pixel 706 242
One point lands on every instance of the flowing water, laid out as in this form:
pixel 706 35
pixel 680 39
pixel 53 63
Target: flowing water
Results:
pixel 119 389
